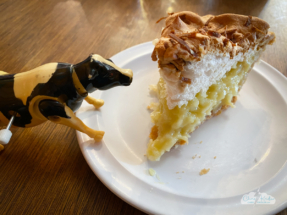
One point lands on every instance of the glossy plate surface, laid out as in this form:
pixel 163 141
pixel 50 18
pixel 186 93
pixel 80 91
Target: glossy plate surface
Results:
pixel 249 142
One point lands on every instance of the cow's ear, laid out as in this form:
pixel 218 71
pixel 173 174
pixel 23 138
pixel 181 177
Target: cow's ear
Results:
pixel 93 71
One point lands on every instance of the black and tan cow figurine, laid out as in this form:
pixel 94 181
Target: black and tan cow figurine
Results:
pixel 54 91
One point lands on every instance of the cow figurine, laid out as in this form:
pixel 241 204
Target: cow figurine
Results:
pixel 54 91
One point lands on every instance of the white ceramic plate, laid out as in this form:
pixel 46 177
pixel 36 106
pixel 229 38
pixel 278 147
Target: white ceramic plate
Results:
pixel 249 142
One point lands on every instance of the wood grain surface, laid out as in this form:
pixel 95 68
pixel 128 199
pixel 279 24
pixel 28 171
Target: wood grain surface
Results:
pixel 42 170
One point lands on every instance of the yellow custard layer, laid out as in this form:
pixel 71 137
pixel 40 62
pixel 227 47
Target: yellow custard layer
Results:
pixel 174 126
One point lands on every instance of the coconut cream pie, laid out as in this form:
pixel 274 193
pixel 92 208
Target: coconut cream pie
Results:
pixel 203 62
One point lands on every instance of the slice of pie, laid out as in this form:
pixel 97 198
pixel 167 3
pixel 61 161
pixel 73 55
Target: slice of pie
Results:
pixel 203 62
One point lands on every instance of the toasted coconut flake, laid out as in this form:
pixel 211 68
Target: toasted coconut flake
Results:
pixel 165 44
pixel 207 22
pixel 182 42
pixel 248 22
pixel 202 31
pixel 225 41
pixel 246 36
pixel 187 34
pixel 166 27
pixel 153 55
pixel 225 34
pixel 231 31
pixel 178 65
pixel 172 41
pixel 161 19
pixel 221 27
pixel 258 30
pixel 214 34
pixel 205 28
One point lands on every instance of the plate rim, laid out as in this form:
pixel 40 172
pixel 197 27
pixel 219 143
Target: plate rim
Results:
pixel 143 48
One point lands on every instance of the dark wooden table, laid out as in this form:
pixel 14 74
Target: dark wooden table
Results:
pixel 42 170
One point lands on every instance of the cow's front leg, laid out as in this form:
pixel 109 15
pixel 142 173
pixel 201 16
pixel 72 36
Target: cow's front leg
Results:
pixel 60 113
pixel 96 102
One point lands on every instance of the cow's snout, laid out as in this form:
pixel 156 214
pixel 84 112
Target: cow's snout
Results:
pixel 125 80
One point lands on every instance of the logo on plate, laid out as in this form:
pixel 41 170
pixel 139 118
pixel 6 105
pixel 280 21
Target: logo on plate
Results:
pixel 257 198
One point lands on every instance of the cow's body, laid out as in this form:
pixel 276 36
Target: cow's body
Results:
pixel 55 90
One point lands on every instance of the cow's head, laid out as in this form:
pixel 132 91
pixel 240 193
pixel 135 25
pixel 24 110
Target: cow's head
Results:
pixel 105 74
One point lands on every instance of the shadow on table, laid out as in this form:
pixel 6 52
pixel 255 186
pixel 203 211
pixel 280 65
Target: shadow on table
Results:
pixel 245 7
